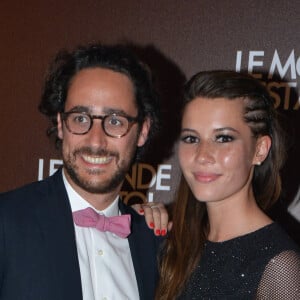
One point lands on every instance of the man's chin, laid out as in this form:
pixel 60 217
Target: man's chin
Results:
pixel 97 181
pixel 100 185
pixel 96 186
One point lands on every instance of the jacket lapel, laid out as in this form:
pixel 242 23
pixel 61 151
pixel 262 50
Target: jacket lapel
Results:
pixel 55 218
pixel 144 246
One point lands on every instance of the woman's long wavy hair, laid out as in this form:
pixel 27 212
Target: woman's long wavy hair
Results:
pixel 186 240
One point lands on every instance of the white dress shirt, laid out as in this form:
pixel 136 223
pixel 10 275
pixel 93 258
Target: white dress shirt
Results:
pixel 105 262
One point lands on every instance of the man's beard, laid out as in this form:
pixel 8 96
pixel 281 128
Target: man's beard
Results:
pixel 96 187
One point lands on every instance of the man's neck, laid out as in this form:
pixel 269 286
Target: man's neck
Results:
pixel 100 201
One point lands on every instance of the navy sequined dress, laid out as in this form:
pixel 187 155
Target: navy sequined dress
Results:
pixel 264 264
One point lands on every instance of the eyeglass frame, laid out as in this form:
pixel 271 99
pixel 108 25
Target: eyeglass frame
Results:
pixel 131 121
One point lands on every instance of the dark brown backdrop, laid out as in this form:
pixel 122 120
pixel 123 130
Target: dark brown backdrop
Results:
pixel 177 38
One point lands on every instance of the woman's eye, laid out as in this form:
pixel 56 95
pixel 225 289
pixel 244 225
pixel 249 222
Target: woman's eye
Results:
pixel 189 139
pixel 224 138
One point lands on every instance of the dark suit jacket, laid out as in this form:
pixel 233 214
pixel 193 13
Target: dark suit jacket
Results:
pixel 38 255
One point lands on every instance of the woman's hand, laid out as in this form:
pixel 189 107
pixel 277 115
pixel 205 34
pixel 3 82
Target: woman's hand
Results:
pixel 156 216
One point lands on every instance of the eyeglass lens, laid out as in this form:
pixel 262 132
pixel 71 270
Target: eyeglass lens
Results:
pixel 113 125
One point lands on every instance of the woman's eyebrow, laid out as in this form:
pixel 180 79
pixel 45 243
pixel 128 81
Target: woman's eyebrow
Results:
pixel 228 128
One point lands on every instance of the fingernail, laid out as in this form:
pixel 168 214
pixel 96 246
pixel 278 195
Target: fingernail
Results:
pixel 151 225
pixel 141 211
pixel 163 232
pixel 157 231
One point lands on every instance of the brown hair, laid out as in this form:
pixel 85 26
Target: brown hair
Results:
pixel 186 240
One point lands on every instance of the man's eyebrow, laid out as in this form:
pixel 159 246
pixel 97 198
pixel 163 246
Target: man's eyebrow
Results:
pixel 80 108
pixel 109 111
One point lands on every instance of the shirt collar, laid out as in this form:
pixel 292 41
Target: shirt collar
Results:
pixel 78 203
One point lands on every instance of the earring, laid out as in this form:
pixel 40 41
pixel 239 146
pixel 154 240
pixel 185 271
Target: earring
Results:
pixel 258 163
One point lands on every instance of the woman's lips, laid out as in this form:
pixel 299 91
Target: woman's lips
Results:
pixel 205 177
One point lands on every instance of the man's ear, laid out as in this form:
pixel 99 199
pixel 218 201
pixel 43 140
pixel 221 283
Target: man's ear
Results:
pixel 144 132
pixel 263 145
pixel 59 126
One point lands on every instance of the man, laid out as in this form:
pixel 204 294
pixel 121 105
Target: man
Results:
pixel 103 108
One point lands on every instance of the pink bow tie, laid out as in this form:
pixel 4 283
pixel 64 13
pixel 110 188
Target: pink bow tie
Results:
pixel 119 225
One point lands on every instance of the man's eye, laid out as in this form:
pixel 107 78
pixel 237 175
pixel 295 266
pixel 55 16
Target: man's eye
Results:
pixel 189 139
pixel 224 138
pixel 116 122
pixel 80 119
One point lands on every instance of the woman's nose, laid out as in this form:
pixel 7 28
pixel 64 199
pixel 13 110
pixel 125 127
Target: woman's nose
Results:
pixel 205 153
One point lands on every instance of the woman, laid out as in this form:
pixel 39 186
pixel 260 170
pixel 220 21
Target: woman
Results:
pixel 222 244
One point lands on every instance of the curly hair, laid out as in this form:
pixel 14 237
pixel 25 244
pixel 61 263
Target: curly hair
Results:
pixel 118 58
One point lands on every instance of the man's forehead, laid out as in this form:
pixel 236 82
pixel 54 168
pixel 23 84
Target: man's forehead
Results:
pixel 92 109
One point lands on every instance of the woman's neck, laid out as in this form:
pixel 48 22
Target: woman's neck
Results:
pixel 234 217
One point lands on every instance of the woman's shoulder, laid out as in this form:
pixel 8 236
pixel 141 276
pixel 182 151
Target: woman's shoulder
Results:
pixel 281 276
pixel 260 245
pixel 276 237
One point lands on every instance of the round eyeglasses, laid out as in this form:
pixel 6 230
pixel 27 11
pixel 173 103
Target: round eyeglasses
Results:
pixel 113 125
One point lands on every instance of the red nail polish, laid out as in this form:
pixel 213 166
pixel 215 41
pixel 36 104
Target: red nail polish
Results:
pixel 141 211
pixel 151 225
pixel 163 232
pixel 157 231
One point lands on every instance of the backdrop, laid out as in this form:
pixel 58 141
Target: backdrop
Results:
pixel 177 39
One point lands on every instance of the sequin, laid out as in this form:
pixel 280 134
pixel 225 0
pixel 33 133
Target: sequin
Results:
pixel 247 267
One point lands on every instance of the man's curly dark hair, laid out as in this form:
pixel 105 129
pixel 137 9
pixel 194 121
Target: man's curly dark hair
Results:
pixel 118 58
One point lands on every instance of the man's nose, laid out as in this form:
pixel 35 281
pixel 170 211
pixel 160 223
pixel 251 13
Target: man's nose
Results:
pixel 97 136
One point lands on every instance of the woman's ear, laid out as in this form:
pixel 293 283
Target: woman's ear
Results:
pixel 263 145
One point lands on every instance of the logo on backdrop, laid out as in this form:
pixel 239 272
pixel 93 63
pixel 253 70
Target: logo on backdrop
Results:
pixel 140 183
pixel 281 77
